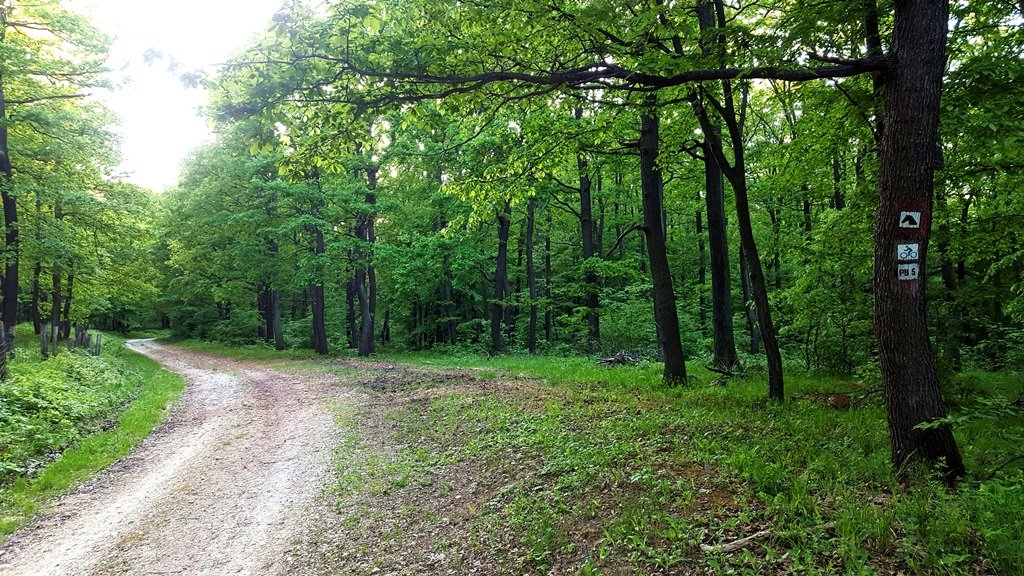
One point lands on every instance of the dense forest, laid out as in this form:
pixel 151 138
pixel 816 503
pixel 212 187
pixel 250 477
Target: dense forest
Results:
pixel 732 194
pixel 742 185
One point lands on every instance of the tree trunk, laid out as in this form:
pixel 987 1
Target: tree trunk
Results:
pixel 350 313
pixel 702 272
pixel 591 299
pixel 838 200
pixel 9 307
pixel 449 302
pixel 55 308
pixel 737 175
pixel 909 155
pixel 316 295
pixel 500 278
pixel 531 276
pixel 749 307
pixel 721 280
pixel 275 308
pixel 666 317
pixel 37 293
pixel 65 325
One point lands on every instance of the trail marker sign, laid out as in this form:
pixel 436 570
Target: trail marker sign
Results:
pixel 908 252
pixel 909 219
pixel 909 271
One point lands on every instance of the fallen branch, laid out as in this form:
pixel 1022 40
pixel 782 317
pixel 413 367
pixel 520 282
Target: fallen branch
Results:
pixel 736 544
pixel 725 371
pixel 748 540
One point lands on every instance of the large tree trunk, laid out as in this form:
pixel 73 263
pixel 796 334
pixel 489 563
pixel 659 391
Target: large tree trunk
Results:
pixel 666 317
pixel 721 280
pixel 591 299
pixel 737 175
pixel 909 155
pixel 366 276
pixel 9 308
pixel 500 278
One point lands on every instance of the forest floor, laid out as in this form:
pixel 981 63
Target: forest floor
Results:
pixel 292 465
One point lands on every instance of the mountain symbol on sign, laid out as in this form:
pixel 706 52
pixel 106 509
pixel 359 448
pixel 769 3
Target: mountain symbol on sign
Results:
pixel 909 221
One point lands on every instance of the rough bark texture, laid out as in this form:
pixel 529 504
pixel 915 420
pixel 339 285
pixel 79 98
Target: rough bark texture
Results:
pixel 909 155
pixel 666 317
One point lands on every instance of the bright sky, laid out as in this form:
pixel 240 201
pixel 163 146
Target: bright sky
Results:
pixel 160 124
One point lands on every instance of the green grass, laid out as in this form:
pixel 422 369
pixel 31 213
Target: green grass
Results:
pixel 251 352
pixel 656 471
pixel 153 392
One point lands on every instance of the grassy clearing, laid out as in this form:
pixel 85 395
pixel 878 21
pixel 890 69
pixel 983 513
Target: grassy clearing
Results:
pixel 613 473
pixel 68 418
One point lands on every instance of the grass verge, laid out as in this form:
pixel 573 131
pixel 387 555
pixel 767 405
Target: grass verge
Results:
pixel 154 392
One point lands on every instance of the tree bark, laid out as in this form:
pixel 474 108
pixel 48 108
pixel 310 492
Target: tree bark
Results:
pixel 737 175
pixel 9 307
pixel 591 299
pixel 721 280
pixel 316 296
pixel 65 324
pixel 666 317
pixel 702 271
pixel 500 278
pixel 275 311
pixel 366 276
pixel 909 155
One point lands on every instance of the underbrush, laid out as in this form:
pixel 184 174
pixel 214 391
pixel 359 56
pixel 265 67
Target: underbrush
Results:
pixel 612 473
pixel 65 418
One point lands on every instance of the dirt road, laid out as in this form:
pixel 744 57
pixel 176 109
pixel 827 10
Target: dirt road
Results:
pixel 223 487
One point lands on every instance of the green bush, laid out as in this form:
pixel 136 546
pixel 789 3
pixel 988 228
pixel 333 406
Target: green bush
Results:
pixel 46 405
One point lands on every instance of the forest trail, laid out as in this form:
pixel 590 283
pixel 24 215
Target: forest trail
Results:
pixel 224 486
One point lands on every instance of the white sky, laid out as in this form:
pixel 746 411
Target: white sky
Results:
pixel 160 123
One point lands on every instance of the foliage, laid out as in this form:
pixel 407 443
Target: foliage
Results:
pixel 66 418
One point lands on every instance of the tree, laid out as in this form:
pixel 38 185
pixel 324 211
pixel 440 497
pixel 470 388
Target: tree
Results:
pixel 46 54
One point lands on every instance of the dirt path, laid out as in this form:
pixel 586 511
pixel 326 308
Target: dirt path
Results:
pixel 223 487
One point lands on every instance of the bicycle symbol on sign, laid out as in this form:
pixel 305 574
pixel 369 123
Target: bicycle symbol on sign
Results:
pixel 908 252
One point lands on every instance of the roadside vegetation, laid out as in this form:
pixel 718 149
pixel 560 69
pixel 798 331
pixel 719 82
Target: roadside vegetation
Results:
pixel 64 419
